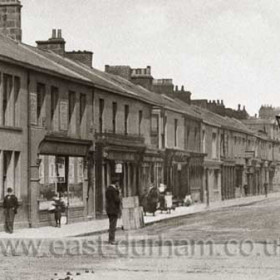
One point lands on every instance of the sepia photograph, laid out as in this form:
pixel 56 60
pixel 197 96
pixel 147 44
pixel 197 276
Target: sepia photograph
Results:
pixel 139 140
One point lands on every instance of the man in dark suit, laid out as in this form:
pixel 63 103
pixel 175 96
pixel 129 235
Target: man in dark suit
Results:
pixel 113 203
pixel 10 206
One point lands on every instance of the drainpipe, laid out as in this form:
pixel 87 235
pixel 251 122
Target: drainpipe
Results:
pixel 28 152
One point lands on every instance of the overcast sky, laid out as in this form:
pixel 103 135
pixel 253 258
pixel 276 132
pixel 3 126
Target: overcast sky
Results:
pixel 218 49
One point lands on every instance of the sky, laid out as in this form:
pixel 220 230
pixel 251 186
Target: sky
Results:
pixel 217 49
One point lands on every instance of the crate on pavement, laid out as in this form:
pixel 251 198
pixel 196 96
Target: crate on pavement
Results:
pixel 130 202
pixel 132 213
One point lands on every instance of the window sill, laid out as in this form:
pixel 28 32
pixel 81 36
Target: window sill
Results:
pixel 11 128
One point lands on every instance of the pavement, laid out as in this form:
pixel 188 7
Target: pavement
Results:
pixel 99 226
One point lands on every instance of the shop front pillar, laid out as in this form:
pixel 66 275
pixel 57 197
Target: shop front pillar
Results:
pixel 1 175
pixel 34 195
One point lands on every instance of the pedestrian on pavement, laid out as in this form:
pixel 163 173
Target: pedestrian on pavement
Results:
pixel 59 207
pixel 152 199
pixel 113 204
pixel 10 205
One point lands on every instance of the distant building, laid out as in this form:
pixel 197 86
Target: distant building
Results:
pixel 144 78
pixel 219 108
pixel 268 112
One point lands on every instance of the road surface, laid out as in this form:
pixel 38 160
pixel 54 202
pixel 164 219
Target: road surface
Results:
pixel 240 242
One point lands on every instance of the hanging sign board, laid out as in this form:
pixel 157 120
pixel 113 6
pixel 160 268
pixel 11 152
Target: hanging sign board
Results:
pixel 118 167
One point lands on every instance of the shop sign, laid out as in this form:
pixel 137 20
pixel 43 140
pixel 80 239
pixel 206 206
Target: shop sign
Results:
pixel 118 167
pixel 179 166
pixel 60 161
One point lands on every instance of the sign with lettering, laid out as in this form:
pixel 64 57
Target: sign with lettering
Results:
pixel 118 167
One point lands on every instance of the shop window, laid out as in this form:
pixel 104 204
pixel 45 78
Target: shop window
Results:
pixel 64 176
pixel 7 174
pixel 114 116
pixel 41 93
pixel 17 174
pixel 10 163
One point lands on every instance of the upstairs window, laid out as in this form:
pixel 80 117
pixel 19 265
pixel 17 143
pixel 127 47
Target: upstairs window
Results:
pixel 7 100
pixel 17 100
pixel 214 145
pixel 140 117
pixel 203 141
pixel 83 100
pixel 176 132
pixel 101 109
pixel 126 115
pixel 71 104
pixel 155 124
pixel 54 108
pixel 114 116
pixel 41 93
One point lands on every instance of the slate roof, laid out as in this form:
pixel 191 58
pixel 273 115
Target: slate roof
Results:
pixel 26 56
pixel 223 122
pixel 32 57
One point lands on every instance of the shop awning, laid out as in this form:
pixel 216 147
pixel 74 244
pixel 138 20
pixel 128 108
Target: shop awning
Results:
pixel 63 146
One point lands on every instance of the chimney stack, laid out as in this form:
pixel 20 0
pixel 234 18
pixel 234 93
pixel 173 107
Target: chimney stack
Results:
pixel 84 57
pixel 10 19
pixel 56 43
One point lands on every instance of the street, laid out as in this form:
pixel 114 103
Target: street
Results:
pixel 238 242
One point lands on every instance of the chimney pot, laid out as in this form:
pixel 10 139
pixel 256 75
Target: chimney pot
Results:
pixel 182 88
pixel 59 33
pixel 176 88
pixel 53 33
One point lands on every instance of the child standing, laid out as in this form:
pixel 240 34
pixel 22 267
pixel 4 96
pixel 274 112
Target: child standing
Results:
pixel 59 205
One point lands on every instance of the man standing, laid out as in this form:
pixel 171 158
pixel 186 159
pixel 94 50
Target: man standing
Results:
pixel 10 206
pixel 113 203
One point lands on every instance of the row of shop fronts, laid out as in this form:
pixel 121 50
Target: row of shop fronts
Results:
pixel 82 178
